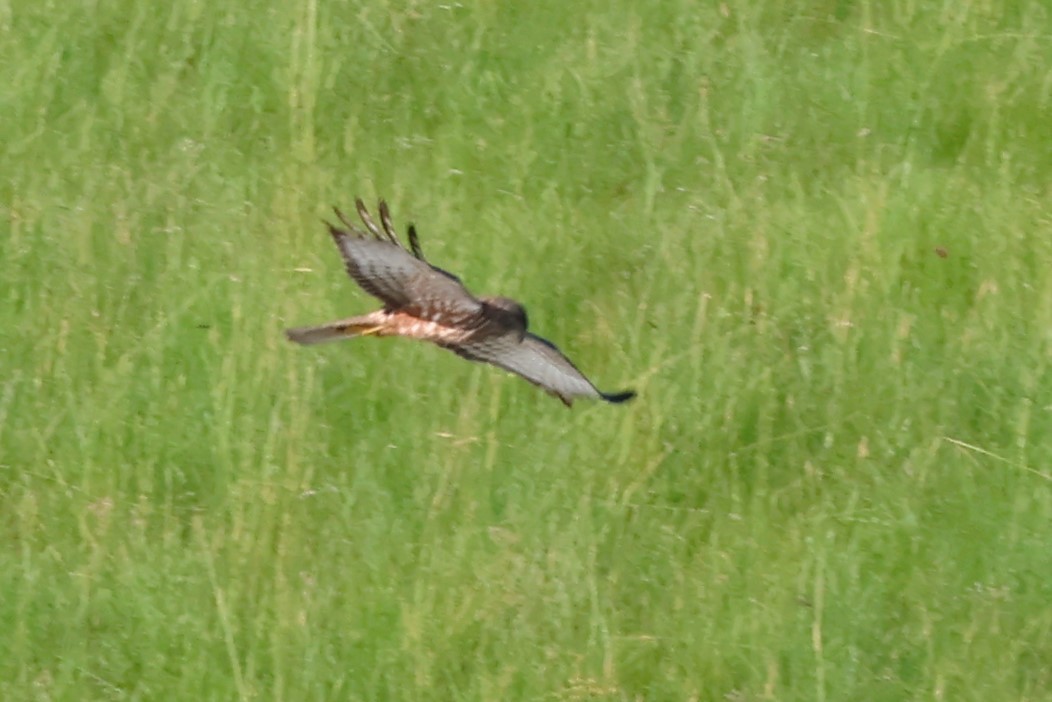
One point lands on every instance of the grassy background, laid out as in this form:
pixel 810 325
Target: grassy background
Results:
pixel 815 236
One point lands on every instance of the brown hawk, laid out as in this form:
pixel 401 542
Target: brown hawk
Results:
pixel 424 302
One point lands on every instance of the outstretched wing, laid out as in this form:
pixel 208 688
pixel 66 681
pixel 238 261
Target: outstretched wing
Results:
pixel 402 281
pixel 538 361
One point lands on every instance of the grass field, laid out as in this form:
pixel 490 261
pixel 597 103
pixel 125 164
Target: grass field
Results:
pixel 816 237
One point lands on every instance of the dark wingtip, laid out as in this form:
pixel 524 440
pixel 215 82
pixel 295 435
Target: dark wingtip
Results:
pixel 414 243
pixel 340 216
pixel 618 397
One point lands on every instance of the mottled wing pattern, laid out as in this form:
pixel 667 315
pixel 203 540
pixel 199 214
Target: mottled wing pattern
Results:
pixel 538 361
pixel 402 281
pixel 424 302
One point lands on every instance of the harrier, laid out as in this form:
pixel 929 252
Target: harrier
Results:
pixel 424 302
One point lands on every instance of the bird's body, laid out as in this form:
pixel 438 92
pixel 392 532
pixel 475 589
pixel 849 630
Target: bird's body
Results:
pixel 427 303
pixel 382 322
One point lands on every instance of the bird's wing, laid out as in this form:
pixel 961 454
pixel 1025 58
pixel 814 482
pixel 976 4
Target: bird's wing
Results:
pixel 538 361
pixel 402 281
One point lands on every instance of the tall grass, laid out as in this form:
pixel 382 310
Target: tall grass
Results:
pixel 814 236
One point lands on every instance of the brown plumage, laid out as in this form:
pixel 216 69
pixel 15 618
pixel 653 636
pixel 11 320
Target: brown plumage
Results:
pixel 424 302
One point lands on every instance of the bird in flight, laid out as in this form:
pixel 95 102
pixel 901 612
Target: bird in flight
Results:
pixel 421 301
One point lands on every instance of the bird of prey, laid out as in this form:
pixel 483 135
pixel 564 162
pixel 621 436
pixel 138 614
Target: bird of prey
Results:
pixel 421 301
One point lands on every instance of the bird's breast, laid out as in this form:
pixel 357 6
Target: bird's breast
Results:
pixel 445 331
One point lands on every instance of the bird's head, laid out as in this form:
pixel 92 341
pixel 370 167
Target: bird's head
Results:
pixel 508 312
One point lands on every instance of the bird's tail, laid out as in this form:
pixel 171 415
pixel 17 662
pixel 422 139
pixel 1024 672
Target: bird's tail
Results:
pixel 334 331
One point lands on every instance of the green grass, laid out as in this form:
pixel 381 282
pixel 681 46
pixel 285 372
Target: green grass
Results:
pixel 836 481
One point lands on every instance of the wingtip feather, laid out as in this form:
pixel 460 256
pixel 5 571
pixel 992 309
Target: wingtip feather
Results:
pixel 618 397
pixel 414 243
pixel 340 216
